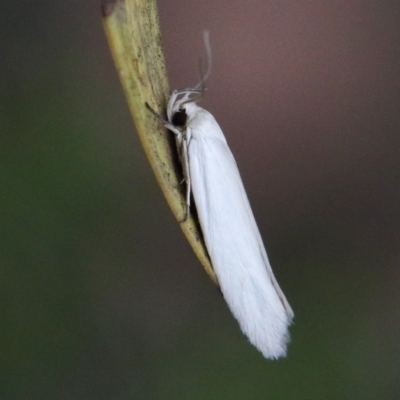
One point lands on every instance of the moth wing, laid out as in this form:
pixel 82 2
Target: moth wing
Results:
pixel 235 245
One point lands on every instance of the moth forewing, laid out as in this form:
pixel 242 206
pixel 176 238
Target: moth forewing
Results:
pixel 230 232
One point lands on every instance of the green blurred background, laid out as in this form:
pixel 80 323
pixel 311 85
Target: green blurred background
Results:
pixel 102 298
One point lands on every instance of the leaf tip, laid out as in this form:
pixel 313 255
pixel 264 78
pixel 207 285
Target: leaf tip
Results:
pixel 108 7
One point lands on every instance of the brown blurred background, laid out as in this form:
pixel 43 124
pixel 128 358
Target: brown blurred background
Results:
pixel 102 298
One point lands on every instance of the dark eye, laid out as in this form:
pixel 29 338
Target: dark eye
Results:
pixel 179 118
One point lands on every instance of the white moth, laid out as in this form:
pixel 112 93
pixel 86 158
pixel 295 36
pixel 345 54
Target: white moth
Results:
pixel 230 231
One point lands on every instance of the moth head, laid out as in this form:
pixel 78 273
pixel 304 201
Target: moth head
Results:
pixel 179 117
pixel 181 105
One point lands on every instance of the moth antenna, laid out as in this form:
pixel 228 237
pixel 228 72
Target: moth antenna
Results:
pixel 199 89
pixel 205 67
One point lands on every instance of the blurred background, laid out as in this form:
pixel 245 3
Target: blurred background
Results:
pixel 101 296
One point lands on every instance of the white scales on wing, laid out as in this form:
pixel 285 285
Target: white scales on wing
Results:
pixel 230 231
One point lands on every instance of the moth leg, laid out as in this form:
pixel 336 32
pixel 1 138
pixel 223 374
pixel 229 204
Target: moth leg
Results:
pixel 181 141
pixel 156 114
pixel 166 123
pixel 186 176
